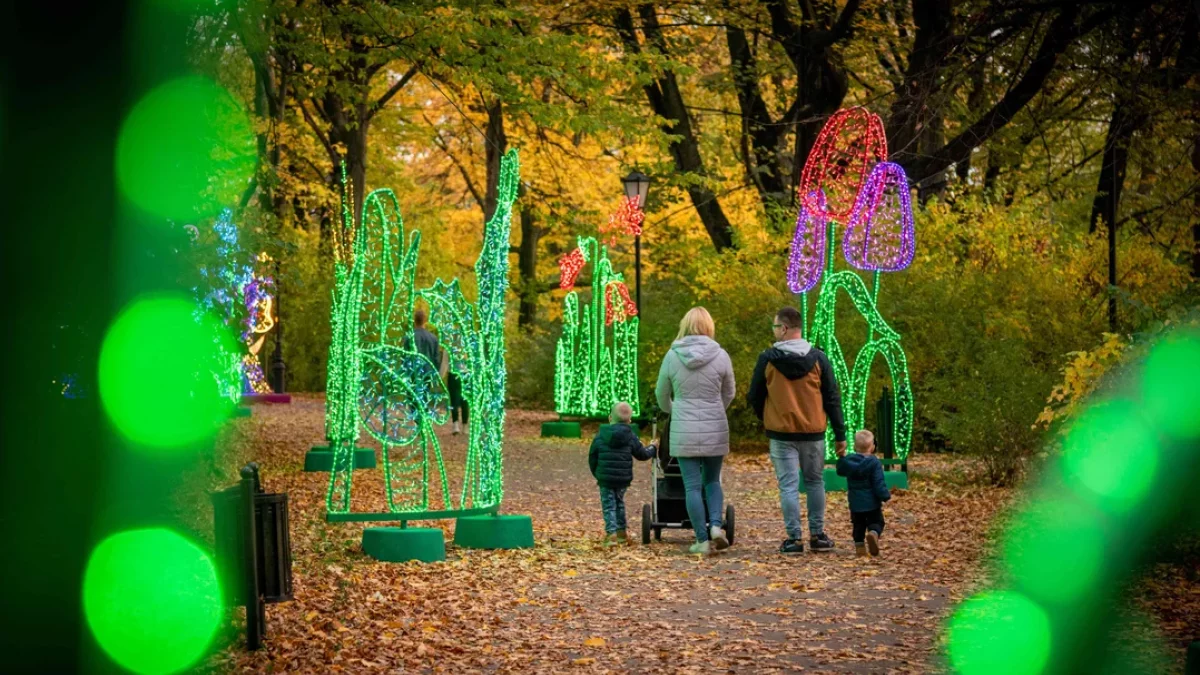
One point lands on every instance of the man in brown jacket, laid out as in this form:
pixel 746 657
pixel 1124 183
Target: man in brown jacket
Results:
pixel 794 393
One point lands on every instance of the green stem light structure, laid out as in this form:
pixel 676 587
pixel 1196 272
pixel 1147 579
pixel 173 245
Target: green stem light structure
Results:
pixel 378 379
pixel 595 361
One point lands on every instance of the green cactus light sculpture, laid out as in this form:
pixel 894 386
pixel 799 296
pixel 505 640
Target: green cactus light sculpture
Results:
pixel 380 384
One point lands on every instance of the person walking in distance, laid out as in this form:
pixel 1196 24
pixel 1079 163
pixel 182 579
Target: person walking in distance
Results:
pixel 794 393
pixel 426 341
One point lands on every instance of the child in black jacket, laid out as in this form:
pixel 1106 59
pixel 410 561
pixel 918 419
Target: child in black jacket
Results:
pixel 611 461
pixel 867 491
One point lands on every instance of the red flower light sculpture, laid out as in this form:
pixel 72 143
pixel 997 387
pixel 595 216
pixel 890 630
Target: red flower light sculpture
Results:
pixel 569 267
pixel 806 259
pixel 880 235
pixel 851 142
pixel 619 308
pixel 627 219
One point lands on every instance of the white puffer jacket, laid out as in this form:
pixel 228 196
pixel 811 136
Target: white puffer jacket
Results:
pixel 695 385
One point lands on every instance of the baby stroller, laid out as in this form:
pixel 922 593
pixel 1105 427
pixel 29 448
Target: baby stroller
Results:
pixel 669 508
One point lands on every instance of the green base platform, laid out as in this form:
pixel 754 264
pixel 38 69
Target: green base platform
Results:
pixel 561 430
pixel 240 412
pixel 836 483
pixel 401 544
pixel 320 458
pixel 494 532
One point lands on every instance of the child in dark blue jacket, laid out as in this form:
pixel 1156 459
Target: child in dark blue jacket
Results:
pixel 611 461
pixel 866 490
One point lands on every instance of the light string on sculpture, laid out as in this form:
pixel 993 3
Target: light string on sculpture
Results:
pixel 345 359
pixel 625 221
pixel 258 302
pixel 849 145
pixel 401 396
pixel 569 267
pixel 595 367
pixel 476 346
pixel 880 235
pixel 849 158
pixel 238 296
pixel 394 391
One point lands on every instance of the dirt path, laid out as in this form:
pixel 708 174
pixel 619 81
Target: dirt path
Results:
pixel 571 604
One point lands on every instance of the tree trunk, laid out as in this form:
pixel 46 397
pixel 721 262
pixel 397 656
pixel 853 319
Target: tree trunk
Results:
pixel 821 82
pixel 667 102
pixel 527 257
pixel 975 101
pixel 932 47
pixel 347 128
pixel 1196 212
pixel 1107 200
pixel 496 144
pixel 763 165
pixel 1062 33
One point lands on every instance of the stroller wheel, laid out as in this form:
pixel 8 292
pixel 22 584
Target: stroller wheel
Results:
pixel 729 522
pixel 647 516
pixel 658 534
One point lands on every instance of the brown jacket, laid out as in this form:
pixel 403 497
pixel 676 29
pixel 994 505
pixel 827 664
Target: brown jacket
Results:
pixel 793 391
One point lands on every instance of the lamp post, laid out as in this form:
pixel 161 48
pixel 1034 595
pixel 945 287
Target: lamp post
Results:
pixel 637 185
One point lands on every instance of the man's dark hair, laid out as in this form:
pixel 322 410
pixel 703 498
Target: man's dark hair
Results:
pixel 419 317
pixel 789 317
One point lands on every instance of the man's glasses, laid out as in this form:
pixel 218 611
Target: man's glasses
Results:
pixel 777 325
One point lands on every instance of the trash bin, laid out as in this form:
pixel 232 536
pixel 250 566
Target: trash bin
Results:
pixel 253 554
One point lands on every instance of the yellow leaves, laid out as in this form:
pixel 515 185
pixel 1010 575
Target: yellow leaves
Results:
pixel 570 573
pixel 585 661
pixel 595 642
pixel 1081 375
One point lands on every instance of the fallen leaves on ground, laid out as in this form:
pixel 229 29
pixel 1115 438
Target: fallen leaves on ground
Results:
pixel 572 602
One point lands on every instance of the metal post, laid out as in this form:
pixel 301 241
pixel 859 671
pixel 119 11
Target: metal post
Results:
pixel 637 270
pixel 256 624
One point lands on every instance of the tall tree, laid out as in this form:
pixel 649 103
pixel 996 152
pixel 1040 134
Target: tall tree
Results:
pixel 666 100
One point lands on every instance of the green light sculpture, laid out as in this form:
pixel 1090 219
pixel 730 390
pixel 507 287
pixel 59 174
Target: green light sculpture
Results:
pixel 596 356
pixel 880 237
pixel 378 380
pixel 882 340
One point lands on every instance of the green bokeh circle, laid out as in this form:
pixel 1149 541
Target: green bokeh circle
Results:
pixel 157 367
pixel 1055 550
pixel 152 600
pixel 999 632
pixel 1170 386
pixel 1112 453
pixel 186 149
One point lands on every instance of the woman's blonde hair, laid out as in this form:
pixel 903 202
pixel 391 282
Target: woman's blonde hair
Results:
pixel 697 321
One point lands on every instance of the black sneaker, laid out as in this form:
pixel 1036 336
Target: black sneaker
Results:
pixel 820 542
pixel 791 546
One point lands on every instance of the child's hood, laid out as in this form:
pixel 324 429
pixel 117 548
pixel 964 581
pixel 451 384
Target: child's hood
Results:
pixel 859 465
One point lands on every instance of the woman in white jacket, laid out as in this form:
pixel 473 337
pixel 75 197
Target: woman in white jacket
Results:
pixel 695 386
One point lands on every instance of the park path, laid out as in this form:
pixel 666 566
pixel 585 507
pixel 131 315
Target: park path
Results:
pixel 571 604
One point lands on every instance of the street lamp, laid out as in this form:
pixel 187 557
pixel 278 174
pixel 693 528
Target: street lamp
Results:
pixel 637 186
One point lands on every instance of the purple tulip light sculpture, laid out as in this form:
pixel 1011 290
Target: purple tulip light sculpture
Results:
pixel 880 236
pixel 806 258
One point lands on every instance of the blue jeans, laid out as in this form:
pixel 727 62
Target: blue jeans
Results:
pixel 612 503
pixel 703 473
pixel 791 458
